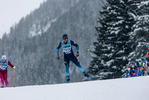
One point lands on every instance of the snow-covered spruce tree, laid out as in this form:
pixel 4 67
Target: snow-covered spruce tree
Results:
pixel 142 19
pixel 112 46
pixel 140 33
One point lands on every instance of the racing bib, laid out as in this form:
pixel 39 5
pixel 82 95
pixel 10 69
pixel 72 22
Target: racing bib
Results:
pixel 67 50
pixel 3 66
pixel 66 47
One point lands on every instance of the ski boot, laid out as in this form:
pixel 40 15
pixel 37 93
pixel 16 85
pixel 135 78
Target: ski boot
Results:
pixel 88 76
pixel 68 80
pixel 2 86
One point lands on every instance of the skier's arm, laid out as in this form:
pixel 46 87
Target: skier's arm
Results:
pixel 59 46
pixel 76 45
pixel 9 63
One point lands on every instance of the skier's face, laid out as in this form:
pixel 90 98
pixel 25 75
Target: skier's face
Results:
pixel 65 39
pixel 3 60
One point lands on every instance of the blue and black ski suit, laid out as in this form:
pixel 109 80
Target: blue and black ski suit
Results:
pixel 69 56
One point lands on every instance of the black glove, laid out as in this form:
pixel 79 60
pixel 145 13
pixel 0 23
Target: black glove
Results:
pixel 77 54
pixel 58 57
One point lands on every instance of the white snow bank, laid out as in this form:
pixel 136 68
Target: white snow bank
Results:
pixel 117 89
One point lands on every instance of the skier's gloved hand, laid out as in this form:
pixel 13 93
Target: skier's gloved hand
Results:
pixel 14 67
pixel 77 54
pixel 58 57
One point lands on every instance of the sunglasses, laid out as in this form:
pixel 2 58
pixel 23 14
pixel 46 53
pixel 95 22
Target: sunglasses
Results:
pixel 3 59
pixel 64 38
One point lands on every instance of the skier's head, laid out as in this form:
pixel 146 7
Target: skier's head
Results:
pixel 3 58
pixel 65 37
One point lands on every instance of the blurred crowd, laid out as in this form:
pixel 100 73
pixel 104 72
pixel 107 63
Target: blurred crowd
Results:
pixel 139 67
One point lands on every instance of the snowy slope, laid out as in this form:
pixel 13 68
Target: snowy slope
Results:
pixel 117 89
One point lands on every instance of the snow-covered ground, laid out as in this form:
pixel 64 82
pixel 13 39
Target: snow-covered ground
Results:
pixel 117 89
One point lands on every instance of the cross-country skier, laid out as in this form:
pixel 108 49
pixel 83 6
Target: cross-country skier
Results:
pixel 3 70
pixel 69 56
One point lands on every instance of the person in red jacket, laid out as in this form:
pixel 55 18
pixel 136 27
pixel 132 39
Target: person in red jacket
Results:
pixel 3 70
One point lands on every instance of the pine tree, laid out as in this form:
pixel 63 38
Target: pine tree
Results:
pixel 112 46
pixel 142 19
pixel 140 33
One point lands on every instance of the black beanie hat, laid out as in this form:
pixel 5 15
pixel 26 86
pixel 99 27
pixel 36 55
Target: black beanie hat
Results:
pixel 65 36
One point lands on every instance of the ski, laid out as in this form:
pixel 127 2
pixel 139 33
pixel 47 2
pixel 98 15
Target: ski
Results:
pixel 91 79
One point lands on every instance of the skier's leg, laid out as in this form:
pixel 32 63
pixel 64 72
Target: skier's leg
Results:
pixel 2 79
pixel 66 62
pixel 5 79
pixel 76 62
pixel 67 70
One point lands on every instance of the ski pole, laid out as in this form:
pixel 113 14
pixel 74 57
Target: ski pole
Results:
pixel 61 53
pixel 13 77
pixel 84 51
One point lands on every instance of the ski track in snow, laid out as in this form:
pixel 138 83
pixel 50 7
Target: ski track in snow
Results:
pixel 117 89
